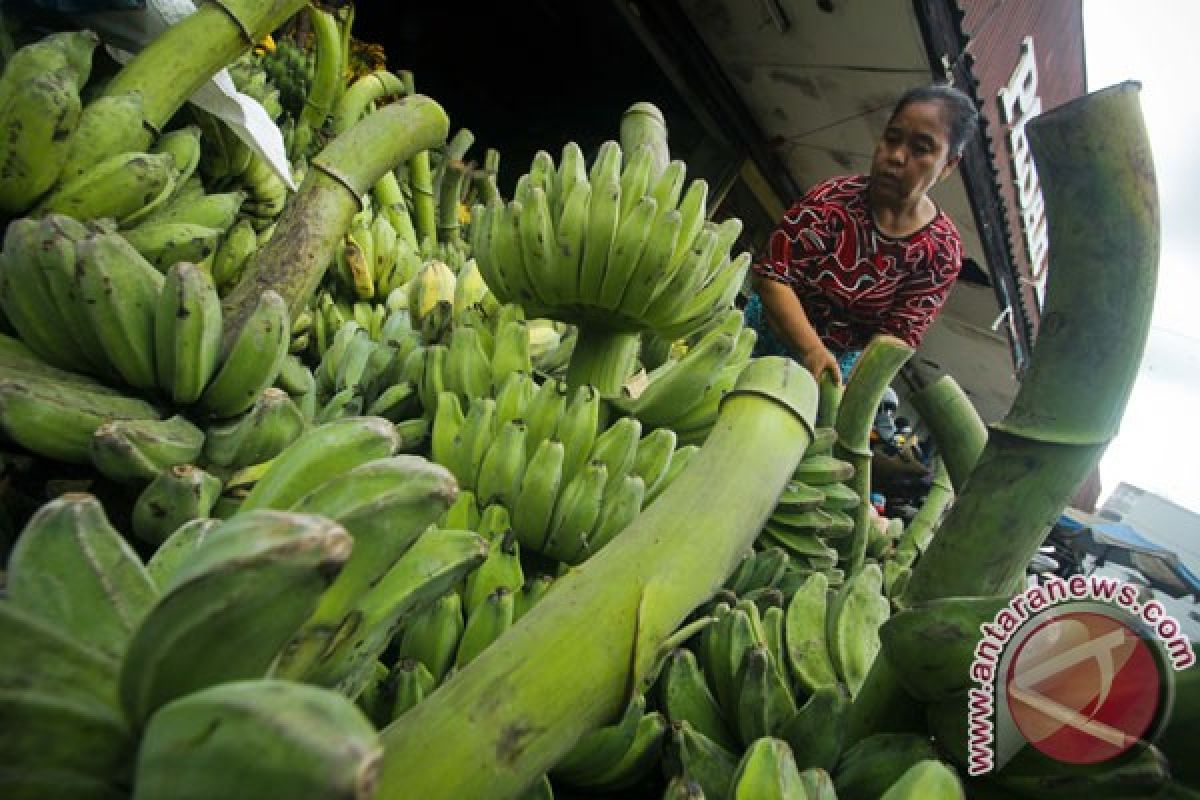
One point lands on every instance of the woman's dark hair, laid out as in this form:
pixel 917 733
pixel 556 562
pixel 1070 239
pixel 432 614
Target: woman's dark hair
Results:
pixel 958 111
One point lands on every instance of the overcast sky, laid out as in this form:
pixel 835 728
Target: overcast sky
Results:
pixel 1158 448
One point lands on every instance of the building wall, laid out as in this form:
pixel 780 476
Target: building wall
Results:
pixel 1035 47
pixel 1159 519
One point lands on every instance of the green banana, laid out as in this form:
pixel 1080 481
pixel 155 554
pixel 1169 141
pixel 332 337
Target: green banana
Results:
pixel 43 657
pixel 501 568
pixel 604 216
pixel 500 472
pixel 821 470
pixel 431 636
pixel 805 633
pixel 575 514
pixel 577 429
pixel 176 550
pixel 630 241
pixel 253 361
pixel 679 383
pixel 137 451
pixel 187 332
pixel 513 396
pixel 692 754
pixel 679 461
pixel 931 646
pixel 764 700
pixel 434 564
pixel 540 484
pixel 468 366
pixel 35 127
pixel 685 695
pixel 386 505
pixel 637 761
pixel 312 743
pixel 446 445
pixel 233 254
pixel 854 618
pixel 664 232
pixel 620 506
pixel 768 771
pixel 544 412
pixel 870 766
pixel 178 495
pixel 227 613
pixel 536 228
pixel 119 291
pixel 599 749
pixel 570 240
pixel 183 145
pixel 485 624
pixel 478 432
pixel 616 447
pixel 653 457
pixel 818 784
pixel 410 682
pixel 71 568
pixel 274 422
pixel 531 593
pixel 926 780
pixel 818 731
pixel 511 353
pixel 115 187
pixel 56 745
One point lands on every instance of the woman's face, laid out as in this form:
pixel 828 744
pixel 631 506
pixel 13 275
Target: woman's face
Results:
pixel 912 155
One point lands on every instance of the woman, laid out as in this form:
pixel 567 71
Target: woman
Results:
pixel 867 254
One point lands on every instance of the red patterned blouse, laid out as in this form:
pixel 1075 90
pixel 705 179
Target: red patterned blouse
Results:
pixel 852 279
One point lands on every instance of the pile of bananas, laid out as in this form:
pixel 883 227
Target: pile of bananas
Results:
pixel 614 248
pixel 136 657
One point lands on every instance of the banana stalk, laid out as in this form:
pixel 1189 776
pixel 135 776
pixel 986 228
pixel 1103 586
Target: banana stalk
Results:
pixel 182 58
pixel 327 80
pixel 448 193
pixel 1097 176
pixel 420 180
pixel 553 676
pixel 603 358
pixel 358 98
pixel 959 432
pixel 306 236
pixel 881 359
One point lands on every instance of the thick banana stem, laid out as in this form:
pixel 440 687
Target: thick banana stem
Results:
pixel 1097 176
pixel 1102 208
pixel 603 359
pixel 573 661
pixel 306 237
pixel 957 429
pixel 880 361
pixel 182 58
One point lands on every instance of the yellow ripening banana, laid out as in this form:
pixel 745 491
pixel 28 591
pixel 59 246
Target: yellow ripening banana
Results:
pixel 187 332
pixel 253 362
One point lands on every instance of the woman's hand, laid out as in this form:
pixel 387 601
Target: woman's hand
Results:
pixel 818 360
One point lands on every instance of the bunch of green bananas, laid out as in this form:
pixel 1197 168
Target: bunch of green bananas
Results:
pixel 289 67
pixel 103 646
pixel 615 247
pixel 540 451
pixel 684 393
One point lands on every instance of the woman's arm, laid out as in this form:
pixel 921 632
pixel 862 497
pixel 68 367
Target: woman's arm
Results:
pixel 786 316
